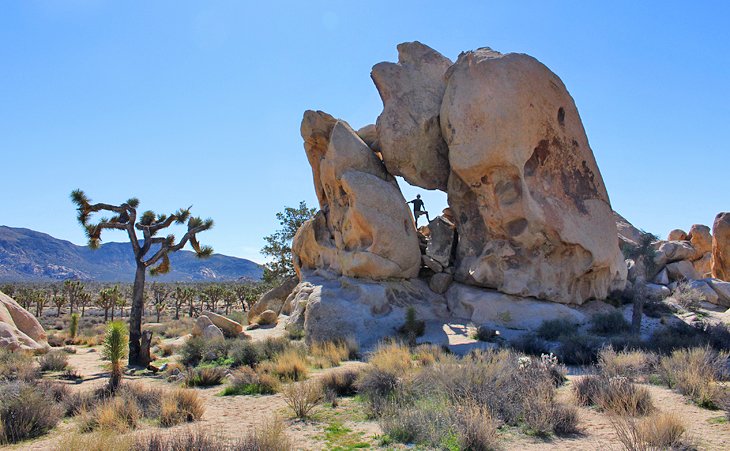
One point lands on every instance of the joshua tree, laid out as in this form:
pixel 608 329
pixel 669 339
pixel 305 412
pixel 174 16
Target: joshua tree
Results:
pixel 148 252
pixel 160 293
pixel 114 351
pixel 183 295
pixel 84 300
pixel 72 289
pixel 108 298
pixel 214 295
pixel 59 301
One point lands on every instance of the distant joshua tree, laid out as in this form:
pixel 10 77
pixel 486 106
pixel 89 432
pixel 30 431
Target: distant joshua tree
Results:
pixel 149 224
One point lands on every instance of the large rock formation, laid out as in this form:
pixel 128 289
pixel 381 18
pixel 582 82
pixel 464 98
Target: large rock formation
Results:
pixel 364 228
pixel 721 247
pixel 532 212
pixel 409 129
pixel 18 328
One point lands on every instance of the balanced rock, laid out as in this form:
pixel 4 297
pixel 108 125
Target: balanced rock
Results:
pixel 532 212
pixel 275 298
pixel 701 238
pixel 18 328
pixel 672 251
pixel 364 227
pixel 682 270
pixel 229 327
pixel 722 289
pixel 212 332
pixel 201 323
pixel 268 317
pixel 677 235
pixel 408 128
pixel 721 247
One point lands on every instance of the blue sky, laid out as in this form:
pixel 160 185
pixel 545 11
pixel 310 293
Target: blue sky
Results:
pixel 189 102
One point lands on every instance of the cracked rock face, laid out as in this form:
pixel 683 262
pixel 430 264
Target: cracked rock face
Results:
pixel 408 128
pixel 721 247
pixel 364 227
pixel 532 212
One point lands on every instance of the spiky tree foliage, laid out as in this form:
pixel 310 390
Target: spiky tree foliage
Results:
pixel 73 328
pixel 278 244
pixel 151 253
pixel 115 348
pixel 59 301
pixel 249 293
pixel 214 294
pixel 84 300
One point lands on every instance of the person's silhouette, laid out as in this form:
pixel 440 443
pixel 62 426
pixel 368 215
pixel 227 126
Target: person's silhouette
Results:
pixel 418 209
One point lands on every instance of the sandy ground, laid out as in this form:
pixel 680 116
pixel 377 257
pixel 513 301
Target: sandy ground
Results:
pixel 234 416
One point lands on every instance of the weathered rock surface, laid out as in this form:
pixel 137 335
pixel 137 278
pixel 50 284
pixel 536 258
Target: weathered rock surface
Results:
pixel 364 227
pixel 721 247
pixel 701 239
pixel 212 332
pixel 628 235
pixel 682 270
pixel 672 251
pixel 275 298
pixel 662 278
pixel 495 308
pixel 532 212
pixel 229 327
pixel 18 328
pixel 722 289
pixel 656 292
pixel 677 235
pixel 703 266
pixel 706 292
pixel 201 323
pixel 330 307
pixel 441 240
pixel 440 282
pixel 268 317
pixel 408 128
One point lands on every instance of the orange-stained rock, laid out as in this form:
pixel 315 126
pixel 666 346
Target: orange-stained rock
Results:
pixel 531 208
pixel 701 238
pixel 721 247
pixel 677 235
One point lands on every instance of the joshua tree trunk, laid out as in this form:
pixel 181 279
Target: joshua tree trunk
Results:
pixel 135 315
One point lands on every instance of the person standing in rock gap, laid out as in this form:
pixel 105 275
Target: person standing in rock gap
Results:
pixel 418 209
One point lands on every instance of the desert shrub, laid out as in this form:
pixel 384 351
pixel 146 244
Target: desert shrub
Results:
pixel 96 441
pixel 610 323
pixel 180 406
pixel 246 381
pixel 428 354
pixel 392 357
pixel 147 398
pixel 167 349
pixel 530 344
pixel 273 346
pixel 613 394
pixel 17 366
pixel 695 373
pixel 25 412
pixel 578 349
pixel 115 349
pixel 630 364
pixel 112 414
pixel 554 328
pixel 268 436
pixel 678 336
pixel 184 440
pixel 687 297
pixel 197 350
pixel 413 327
pixel 340 382
pixel 176 327
pixel 290 365
pixel 661 431
pixel 53 361
pixel 204 376
pixel 328 354
pixel 245 353
pixel 718 336
pixel 303 397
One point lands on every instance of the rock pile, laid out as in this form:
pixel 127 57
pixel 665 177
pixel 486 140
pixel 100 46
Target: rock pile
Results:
pixel 529 213
pixel 19 330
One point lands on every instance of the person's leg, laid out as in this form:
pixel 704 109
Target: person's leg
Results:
pixel 427 218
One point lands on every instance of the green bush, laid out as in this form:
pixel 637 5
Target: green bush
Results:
pixel 197 350
pixel 610 323
pixel 554 328
pixel 246 381
pixel 245 353
pixel 26 412
pixel 204 377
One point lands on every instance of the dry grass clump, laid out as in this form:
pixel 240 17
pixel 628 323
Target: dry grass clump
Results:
pixel 328 354
pixel 341 382
pixel 247 381
pixel 204 377
pixel 613 394
pixel 95 441
pixel 687 297
pixel 26 411
pixel 53 361
pixel 112 414
pixel 630 364
pixel 695 373
pixel 428 354
pixel 180 406
pixel 392 357
pixel 303 397
pixel 269 436
pixel 660 431
pixel 290 365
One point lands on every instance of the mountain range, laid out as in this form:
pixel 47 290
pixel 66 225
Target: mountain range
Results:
pixel 30 256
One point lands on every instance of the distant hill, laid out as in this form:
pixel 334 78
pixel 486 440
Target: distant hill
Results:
pixel 30 256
